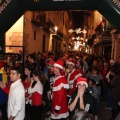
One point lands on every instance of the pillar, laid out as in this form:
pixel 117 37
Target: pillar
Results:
pixel 50 42
pixel 2 42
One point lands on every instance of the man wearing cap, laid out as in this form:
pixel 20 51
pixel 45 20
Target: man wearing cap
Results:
pixel 80 99
pixel 71 77
pixel 59 94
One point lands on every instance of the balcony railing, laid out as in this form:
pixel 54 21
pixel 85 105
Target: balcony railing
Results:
pixel 39 19
pixel 104 37
pixel 60 34
pixel 49 25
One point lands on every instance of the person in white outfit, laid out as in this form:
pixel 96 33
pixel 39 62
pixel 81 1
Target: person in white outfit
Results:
pixel 16 99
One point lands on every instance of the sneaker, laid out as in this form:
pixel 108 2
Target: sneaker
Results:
pixel 96 117
pixel 108 108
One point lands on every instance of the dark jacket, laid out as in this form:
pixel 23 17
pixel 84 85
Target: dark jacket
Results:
pixel 115 85
pixel 88 102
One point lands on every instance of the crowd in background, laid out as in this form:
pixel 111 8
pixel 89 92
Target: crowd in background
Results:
pixel 62 84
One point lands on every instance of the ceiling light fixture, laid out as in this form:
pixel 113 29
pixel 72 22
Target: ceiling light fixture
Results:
pixel 78 30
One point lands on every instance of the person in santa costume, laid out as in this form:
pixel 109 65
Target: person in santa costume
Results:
pixel 59 93
pixel 71 77
pixel 80 99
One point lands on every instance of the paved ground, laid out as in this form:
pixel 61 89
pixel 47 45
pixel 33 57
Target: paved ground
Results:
pixel 103 114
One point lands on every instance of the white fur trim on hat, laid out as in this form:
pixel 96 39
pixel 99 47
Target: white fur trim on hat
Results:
pixel 71 63
pixel 82 82
pixel 58 65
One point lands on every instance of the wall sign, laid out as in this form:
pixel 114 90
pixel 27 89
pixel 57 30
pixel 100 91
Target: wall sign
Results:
pixel 116 2
pixel 11 10
pixel 4 56
pixel 3 4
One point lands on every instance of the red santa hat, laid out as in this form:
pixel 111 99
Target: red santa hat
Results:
pixel 47 61
pixel 82 80
pixel 52 56
pixel 51 62
pixel 59 64
pixel 72 62
pixel 1 64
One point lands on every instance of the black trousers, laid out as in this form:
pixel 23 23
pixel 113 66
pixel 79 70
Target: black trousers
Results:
pixel 35 112
pixel 3 108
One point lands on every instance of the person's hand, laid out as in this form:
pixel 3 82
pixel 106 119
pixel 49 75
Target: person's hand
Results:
pixel 27 98
pixel 119 103
pixel 108 80
pixel 11 118
pixel 49 94
pixel 44 103
pixel 81 93
pixel 78 94
pixel 2 85
pixel 55 114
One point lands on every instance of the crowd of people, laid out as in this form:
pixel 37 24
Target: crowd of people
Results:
pixel 64 86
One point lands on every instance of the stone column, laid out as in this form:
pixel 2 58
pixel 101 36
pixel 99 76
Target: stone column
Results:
pixel 50 42
pixel 117 47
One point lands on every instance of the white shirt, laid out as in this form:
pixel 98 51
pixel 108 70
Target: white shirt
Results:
pixel 16 101
pixel 37 88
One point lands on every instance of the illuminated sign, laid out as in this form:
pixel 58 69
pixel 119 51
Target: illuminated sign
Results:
pixel 116 2
pixel 4 56
pixel 3 4
pixel 11 10
pixel 36 0
pixel 38 5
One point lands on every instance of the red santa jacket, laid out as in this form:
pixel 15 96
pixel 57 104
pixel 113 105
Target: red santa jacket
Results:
pixel 71 78
pixel 26 86
pixel 59 100
pixel 36 92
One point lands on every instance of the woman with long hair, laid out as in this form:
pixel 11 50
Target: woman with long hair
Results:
pixel 27 80
pixel 26 83
pixel 36 91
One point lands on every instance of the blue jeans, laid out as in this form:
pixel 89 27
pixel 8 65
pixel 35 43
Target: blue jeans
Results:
pixel 109 97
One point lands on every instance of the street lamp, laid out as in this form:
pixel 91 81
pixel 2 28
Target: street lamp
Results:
pixel 51 37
